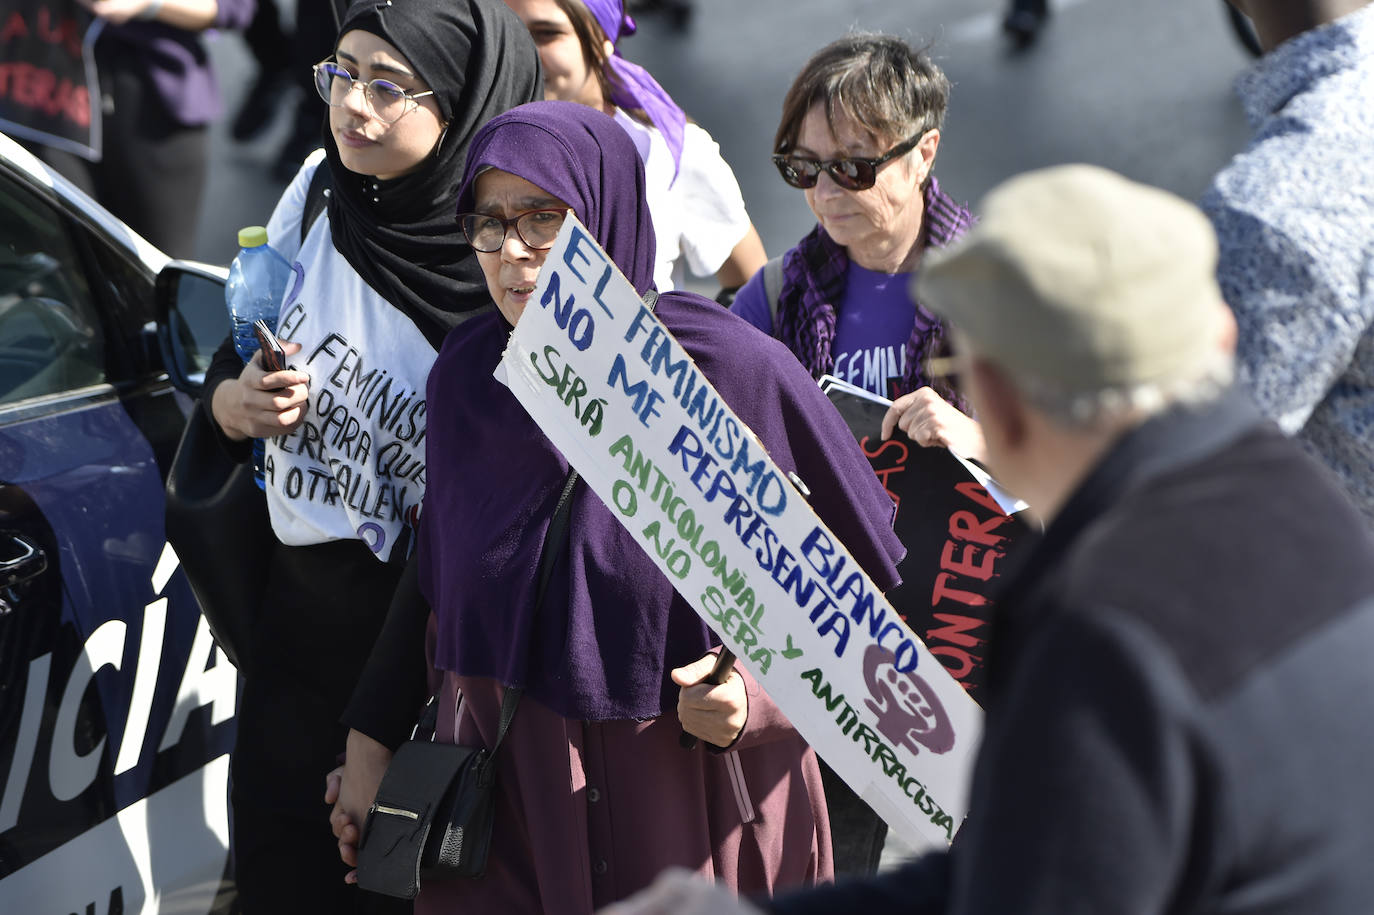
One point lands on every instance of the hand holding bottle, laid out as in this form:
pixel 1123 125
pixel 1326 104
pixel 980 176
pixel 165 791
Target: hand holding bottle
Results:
pixel 261 404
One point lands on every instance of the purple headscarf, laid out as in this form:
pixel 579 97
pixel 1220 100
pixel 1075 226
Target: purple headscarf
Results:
pixel 586 162
pixel 611 626
pixel 631 84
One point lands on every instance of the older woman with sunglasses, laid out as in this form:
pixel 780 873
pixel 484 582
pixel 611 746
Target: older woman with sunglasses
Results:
pixel 860 128
pixel 859 132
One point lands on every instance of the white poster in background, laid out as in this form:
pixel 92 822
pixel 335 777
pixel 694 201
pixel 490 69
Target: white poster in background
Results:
pixel 627 406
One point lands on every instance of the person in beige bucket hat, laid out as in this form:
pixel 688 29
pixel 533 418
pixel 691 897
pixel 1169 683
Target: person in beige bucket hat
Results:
pixel 1094 296
pixel 1203 596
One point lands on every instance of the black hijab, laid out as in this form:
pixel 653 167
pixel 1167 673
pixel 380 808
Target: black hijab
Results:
pixel 400 234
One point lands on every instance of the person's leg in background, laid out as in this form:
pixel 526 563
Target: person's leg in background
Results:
pixel 152 173
pixel 273 50
pixel 316 27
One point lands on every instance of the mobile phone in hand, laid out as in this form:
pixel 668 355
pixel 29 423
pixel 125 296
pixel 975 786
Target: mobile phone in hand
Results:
pixel 273 357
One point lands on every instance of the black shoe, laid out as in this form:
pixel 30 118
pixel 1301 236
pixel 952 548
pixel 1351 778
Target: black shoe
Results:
pixel 261 105
pixel 1023 26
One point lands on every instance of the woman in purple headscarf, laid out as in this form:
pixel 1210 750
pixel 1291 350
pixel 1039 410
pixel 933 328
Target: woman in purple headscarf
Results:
pixel 595 795
pixel 698 211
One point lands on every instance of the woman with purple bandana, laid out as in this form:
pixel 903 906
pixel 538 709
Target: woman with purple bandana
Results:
pixel 595 796
pixel 698 211
pixel 860 128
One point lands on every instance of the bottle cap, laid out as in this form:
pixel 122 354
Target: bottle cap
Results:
pixel 252 236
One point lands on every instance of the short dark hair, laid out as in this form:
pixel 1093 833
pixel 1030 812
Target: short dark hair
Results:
pixel 890 88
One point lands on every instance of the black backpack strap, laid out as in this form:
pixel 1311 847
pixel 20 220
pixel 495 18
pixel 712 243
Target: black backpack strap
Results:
pixel 772 288
pixel 316 197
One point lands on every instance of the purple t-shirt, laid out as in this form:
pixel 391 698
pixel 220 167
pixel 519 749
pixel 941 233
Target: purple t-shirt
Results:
pixel 874 323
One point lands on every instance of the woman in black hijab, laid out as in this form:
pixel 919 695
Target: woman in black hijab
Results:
pixel 381 276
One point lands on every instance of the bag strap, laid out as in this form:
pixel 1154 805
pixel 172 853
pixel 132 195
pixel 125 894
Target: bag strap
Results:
pixel 555 539
pixel 316 196
pixel 554 542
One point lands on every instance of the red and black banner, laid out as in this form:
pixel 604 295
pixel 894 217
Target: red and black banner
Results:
pixel 956 535
pixel 48 88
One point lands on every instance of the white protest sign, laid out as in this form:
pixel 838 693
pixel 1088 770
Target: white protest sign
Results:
pixel 626 405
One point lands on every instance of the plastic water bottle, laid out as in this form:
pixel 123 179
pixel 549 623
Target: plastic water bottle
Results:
pixel 257 282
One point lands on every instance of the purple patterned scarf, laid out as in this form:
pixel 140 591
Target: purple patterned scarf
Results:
pixel 813 275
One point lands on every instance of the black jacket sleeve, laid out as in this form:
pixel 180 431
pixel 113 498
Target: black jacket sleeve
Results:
pixel 224 366
pixel 393 686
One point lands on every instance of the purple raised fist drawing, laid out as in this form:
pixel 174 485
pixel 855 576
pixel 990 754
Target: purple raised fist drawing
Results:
pixel 909 712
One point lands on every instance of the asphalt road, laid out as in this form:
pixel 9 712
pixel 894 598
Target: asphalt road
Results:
pixel 1142 88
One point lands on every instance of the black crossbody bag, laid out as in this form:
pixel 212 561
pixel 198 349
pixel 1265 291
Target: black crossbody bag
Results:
pixel 433 814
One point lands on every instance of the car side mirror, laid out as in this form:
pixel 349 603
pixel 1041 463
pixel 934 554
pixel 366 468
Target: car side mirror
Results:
pixel 192 321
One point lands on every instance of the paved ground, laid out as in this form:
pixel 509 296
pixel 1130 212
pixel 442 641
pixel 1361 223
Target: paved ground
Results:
pixel 1143 88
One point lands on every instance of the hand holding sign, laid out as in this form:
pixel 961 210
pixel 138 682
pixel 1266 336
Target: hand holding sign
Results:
pixel 931 421
pixel 714 712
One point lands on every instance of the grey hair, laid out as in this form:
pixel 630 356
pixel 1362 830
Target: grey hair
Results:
pixel 892 90
pixel 1105 407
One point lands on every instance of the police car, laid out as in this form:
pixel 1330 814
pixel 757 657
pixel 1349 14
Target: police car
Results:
pixel 117 709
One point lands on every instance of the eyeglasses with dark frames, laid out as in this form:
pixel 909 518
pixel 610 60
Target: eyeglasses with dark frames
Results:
pixel 387 101
pixel 536 229
pixel 854 173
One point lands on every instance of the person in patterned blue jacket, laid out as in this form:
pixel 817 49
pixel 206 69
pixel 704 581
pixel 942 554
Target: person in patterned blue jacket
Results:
pixel 1294 213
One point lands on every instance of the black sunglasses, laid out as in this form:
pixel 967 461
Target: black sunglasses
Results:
pixel 853 173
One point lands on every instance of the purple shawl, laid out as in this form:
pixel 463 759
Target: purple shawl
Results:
pixel 631 85
pixel 813 282
pixel 611 627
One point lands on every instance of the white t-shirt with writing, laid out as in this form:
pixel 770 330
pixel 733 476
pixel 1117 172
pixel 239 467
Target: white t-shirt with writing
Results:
pixel 355 468
pixel 700 217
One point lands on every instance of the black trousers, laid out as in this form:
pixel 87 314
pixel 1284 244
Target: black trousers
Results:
pixel 325 606
pixel 857 834
pixel 152 171
pixel 285 857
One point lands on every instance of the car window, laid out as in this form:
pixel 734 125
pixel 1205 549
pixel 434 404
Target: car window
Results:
pixel 50 336
pixel 124 289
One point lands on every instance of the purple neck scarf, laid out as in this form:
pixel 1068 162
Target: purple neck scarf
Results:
pixel 813 284
pixel 611 626
pixel 631 85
